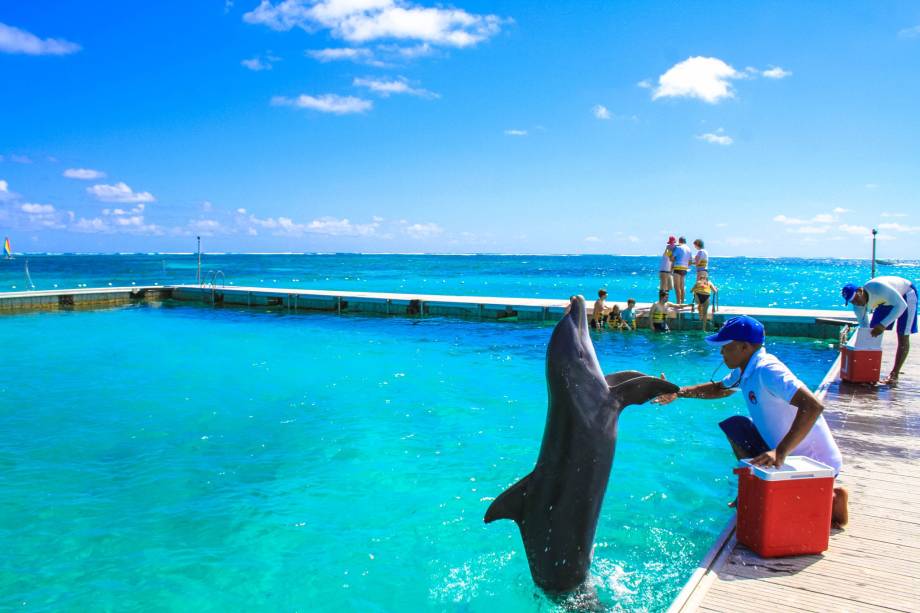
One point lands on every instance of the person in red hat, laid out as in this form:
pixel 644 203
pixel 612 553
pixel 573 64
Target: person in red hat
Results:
pixel 665 280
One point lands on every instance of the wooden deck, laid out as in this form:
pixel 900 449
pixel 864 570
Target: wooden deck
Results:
pixel 874 563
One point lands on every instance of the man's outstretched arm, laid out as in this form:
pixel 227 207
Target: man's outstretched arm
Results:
pixel 809 409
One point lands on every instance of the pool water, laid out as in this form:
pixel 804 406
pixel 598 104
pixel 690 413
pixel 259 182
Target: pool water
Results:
pixel 184 458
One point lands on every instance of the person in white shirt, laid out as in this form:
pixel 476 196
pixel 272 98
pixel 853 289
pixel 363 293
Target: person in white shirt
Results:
pixel 892 299
pixel 701 259
pixel 682 257
pixel 785 417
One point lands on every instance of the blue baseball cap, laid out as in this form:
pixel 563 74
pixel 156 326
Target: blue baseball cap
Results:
pixel 848 291
pixel 742 328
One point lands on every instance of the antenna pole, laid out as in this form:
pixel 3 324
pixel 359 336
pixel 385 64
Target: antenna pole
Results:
pixel 874 233
pixel 199 260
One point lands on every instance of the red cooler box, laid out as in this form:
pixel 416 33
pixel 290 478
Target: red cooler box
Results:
pixel 785 511
pixel 861 357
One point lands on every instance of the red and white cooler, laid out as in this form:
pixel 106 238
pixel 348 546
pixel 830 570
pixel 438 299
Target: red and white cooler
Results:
pixel 861 357
pixel 785 511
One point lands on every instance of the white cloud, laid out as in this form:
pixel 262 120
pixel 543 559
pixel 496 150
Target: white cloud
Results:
pixel 259 63
pixel 367 20
pixel 241 211
pixel 386 87
pixel 207 227
pixel 91 225
pixel 716 138
pixel 645 84
pixel 408 53
pixel 871 185
pixel 821 218
pixel 633 239
pixel 706 78
pixel 592 239
pixel 423 230
pixel 83 173
pixel 809 230
pixel 120 192
pixel 776 73
pixel 37 209
pixel 896 227
pixel 339 54
pixel 888 214
pixel 326 103
pixel 285 226
pixel 516 132
pixel 341 227
pixel 14 40
pixel 20 159
pixel 600 111
pixel 913 32
pixel 848 229
pixel 4 187
pixel 840 210
pixel 256 64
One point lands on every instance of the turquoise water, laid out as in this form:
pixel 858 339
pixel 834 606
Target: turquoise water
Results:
pixel 183 458
pixel 750 282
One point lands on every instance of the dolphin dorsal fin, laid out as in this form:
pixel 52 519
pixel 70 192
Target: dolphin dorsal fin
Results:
pixel 510 503
pixel 637 390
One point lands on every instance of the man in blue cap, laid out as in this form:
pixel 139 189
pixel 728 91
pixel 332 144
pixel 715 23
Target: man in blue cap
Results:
pixel 892 299
pixel 785 416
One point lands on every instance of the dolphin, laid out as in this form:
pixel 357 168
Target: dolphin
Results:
pixel 557 505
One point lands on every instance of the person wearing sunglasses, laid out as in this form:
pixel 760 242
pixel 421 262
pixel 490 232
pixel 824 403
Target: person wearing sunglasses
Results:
pixel 785 417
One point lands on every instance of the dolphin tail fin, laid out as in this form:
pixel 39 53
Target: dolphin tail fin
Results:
pixel 510 503
pixel 641 389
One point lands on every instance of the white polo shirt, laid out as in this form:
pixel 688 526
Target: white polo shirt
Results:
pixel 768 385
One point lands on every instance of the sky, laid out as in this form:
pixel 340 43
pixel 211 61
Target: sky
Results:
pixel 767 129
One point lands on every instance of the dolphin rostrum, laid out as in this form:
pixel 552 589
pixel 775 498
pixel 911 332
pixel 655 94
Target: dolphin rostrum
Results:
pixel 556 506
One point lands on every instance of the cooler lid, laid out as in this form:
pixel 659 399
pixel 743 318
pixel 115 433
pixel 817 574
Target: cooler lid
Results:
pixel 795 467
pixel 862 340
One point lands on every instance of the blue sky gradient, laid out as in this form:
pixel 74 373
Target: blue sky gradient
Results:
pixel 781 129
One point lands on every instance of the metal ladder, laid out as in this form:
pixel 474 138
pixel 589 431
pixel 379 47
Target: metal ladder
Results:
pixel 215 276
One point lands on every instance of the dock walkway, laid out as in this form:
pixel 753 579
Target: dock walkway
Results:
pixel 874 563
pixel 778 321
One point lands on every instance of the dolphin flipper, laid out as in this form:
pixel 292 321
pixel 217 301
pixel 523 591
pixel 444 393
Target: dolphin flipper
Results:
pixel 510 503
pixel 641 389
pixel 616 378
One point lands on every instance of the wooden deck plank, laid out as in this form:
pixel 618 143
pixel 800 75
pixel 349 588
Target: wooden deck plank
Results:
pixel 873 564
pixel 763 596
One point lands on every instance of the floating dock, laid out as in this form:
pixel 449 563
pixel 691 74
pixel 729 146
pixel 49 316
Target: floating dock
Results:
pixel 873 564
pixel 779 322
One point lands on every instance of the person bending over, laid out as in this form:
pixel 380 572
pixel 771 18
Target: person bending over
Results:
pixel 892 299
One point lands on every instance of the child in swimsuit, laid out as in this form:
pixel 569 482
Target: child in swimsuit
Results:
pixel 702 290
pixel 599 316
pixel 658 314
pixel 615 319
pixel 628 315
